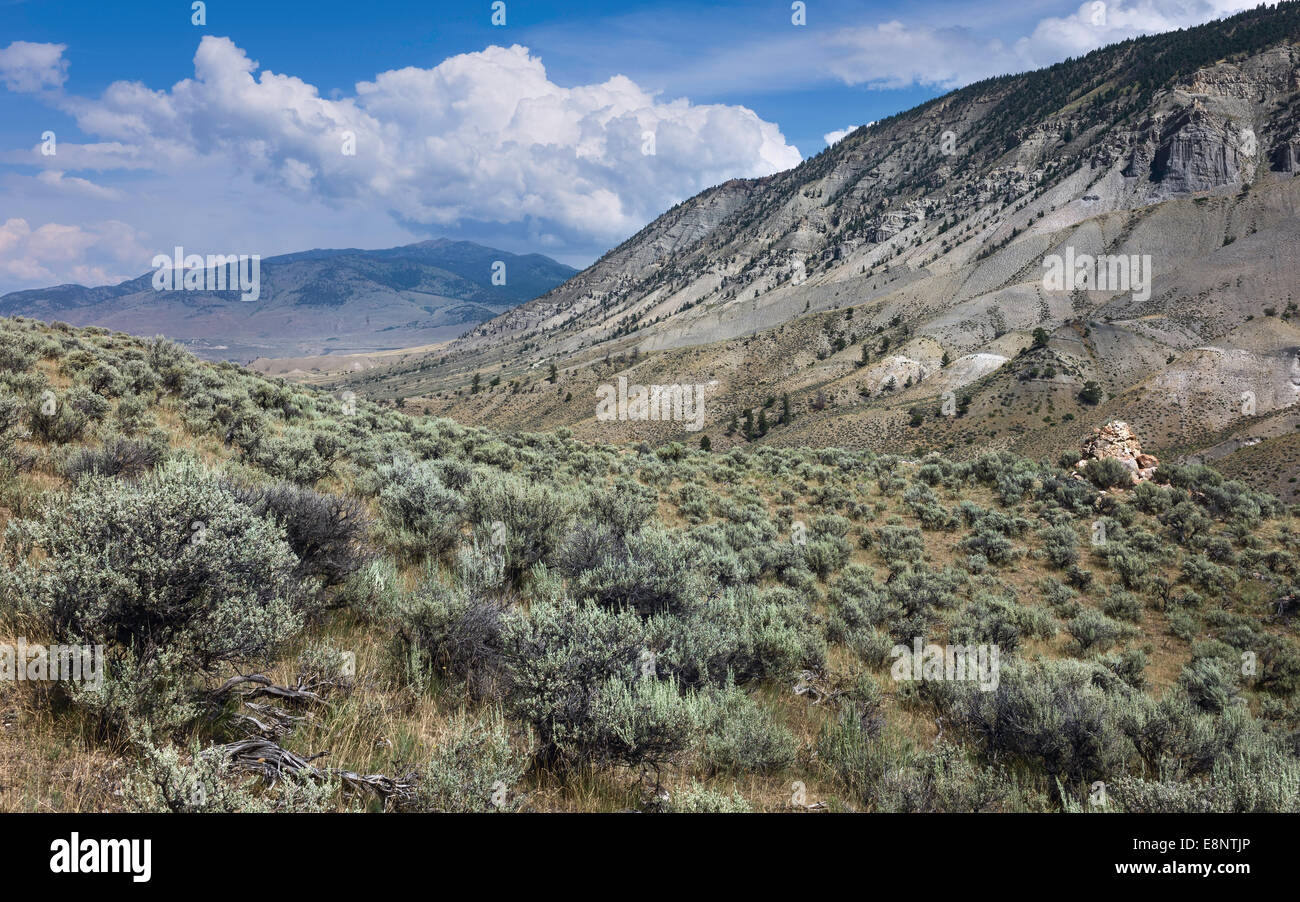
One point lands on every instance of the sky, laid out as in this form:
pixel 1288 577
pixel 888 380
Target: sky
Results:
pixel 559 128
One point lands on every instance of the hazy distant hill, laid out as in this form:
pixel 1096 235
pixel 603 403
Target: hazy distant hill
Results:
pixel 316 301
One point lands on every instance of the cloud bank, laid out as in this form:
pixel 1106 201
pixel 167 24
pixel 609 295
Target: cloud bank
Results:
pixel 895 55
pixel 481 138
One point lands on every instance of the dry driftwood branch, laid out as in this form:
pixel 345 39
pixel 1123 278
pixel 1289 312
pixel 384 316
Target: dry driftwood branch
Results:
pixel 815 687
pixel 268 720
pixel 228 685
pixel 266 758
pixel 303 691
pixel 261 754
pixel 399 791
pixel 270 761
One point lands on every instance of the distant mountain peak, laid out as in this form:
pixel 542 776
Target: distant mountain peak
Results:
pixel 317 301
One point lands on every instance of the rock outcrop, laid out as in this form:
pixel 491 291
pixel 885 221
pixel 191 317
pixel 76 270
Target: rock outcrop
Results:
pixel 1200 152
pixel 1117 440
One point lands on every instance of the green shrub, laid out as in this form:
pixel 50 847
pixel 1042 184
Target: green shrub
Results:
pixel 297 455
pixel 576 678
pixel 59 420
pixel 1279 665
pixel 899 546
pixel 852 750
pixel 916 597
pixel 529 518
pixel 1183 625
pixel 1060 545
pixel 1131 566
pixel 1092 629
pixel 743 738
pixel 165 780
pixel 455 629
pixel 855 601
pixel 826 555
pixel 1052 716
pixel 1123 606
pixel 418 515
pixel 1209 683
pixel 698 799
pixel 117 457
pixel 166 569
pixel 749 635
pixel 472 770
pixel 1129 666
pixel 327 532
pixel 652 571
pixel 1108 473
pixel 995 547
pixel 1269 782
pixel 1001 622
pixel 943 779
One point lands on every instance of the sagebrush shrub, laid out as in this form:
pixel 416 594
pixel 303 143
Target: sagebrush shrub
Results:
pixel 455 629
pixel 529 519
pixel 698 799
pixel 202 781
pixel 1060 545
pixel 117 457
pixel 171 561
pixel 1052 715
pixel 473 769
pixel 419 516
pixel 561 655
pixel 653 571
pixel 744 738
pixel 1108 473
pixel 743 635
pixel 1093 629
pixel 326 531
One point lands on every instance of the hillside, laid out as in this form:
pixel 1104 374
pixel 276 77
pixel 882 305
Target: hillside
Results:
pixel 906 265
pixel 314 302
pixel 473 620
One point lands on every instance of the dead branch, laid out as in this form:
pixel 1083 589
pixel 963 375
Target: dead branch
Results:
pixel 816 687
pixel 271 762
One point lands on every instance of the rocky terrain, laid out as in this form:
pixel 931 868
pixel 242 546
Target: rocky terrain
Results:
pixel 901 273
pixel 315 302
pixel 1116 441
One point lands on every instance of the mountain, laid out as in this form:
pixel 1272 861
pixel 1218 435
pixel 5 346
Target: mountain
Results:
pixel 895 286
pixel 316 301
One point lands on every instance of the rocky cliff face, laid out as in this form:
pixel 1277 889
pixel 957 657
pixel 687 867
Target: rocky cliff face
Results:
pixel 1200 153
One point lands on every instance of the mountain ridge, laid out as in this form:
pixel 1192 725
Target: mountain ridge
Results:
pixel 913 251
pixel 315 301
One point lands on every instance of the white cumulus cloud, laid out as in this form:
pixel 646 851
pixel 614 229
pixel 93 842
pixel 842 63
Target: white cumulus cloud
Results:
pixel 26 67
pixel 482 138
pixel 895 54
pixel 839 134
pixel 56 253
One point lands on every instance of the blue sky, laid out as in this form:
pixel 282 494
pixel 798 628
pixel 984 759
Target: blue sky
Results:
pixel 563 131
